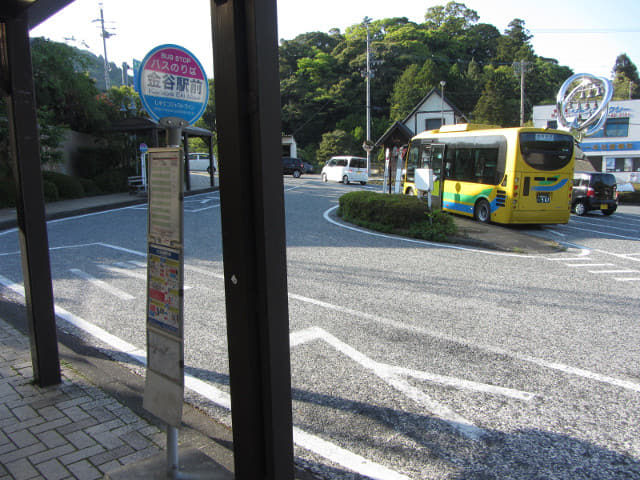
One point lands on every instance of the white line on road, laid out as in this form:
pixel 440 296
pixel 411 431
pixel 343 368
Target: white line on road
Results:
pixel 488 348
pixel 614 271
pixel 589 264
pixel 627 279
pixel 310 442
pixel 102 285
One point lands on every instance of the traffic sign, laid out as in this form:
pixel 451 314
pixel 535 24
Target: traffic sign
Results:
pixel 172 84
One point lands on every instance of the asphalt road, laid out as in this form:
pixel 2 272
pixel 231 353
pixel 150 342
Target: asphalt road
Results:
pixel 409 359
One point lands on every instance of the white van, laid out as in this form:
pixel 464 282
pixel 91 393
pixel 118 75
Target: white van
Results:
pixel 199 162
pixel 346 169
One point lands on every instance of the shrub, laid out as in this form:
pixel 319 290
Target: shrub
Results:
pixel 397 214
pixel 89 186
pixel 7 193
pixel 50 191
pixel 67 186
pixel 113 181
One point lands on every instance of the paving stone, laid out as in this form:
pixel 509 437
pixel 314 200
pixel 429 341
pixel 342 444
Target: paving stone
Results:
pixel 22 453
pixel 84 470
pixel 50 425
pixel 52 439
pixel 22 438
pixel 53 470
pixel 49 412
pixel 81 454
pixel 21 469
pixel 112 454
pixel 80 439
pixel 52 453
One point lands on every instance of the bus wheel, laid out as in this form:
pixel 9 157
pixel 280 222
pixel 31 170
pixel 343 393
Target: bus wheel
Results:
pixel 409 191
pixel 482 211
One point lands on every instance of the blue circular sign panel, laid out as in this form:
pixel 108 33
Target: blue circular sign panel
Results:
pixel 172 84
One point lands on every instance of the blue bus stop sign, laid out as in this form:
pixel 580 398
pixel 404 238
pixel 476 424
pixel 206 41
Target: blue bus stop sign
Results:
pixel 172 85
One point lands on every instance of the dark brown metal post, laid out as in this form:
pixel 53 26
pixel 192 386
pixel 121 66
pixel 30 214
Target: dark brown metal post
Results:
pixel 245 47
pixel 25 153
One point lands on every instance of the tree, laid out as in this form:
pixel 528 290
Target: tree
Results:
pixel 499 103
pixel 626 83
pixel 336 142
pixel 64 87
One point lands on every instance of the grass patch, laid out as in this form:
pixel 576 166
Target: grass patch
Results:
pixel 396 214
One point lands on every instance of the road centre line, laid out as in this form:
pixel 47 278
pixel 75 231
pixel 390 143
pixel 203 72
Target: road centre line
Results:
pixel 627 279
pixel 310 442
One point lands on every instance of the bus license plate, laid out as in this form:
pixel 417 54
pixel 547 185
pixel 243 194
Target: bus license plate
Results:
pixel 543 198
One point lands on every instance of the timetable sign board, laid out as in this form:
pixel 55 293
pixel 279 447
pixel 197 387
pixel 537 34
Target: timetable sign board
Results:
pixel 164 382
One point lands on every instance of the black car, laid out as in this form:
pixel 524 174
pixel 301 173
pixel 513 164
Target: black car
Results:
pixel 292 166
pixel 594 191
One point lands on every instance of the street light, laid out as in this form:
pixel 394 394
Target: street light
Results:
pixel 442 84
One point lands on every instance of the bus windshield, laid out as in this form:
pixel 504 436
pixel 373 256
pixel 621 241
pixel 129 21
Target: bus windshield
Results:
pixel 546 151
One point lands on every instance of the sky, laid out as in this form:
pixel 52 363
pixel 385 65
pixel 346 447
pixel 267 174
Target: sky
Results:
pixel 586 35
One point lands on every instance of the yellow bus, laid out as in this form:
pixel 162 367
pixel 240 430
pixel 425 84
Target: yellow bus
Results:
pixel 502 175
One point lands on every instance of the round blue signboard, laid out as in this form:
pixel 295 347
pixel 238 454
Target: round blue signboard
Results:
pixel 172 84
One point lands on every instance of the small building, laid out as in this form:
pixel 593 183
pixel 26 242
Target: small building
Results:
pixel 289 146
pixel 616 147
pixel 433 111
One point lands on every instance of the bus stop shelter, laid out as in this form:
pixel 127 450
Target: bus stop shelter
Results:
pixel 245 45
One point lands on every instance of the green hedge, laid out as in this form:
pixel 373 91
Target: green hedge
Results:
pixel 68 187
pixel 398 214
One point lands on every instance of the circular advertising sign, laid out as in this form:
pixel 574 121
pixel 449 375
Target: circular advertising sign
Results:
pixel 172 84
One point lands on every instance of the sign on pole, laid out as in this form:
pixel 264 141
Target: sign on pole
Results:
pixel 172 85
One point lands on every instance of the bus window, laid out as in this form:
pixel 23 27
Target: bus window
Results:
pixel 546 151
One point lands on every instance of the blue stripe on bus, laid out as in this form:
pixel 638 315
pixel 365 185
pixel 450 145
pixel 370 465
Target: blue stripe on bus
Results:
pixel 466 208
pixel 551 188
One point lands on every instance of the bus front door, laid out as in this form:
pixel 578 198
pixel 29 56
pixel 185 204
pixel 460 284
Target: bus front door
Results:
pixel 432 156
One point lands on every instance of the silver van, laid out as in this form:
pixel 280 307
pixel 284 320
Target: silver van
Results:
pixel 346 169
pixel 199 162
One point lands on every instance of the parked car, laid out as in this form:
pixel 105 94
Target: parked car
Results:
pixel 308 168
pixel 594 191
pixel 292 166
pixel 346 169
pixel 199 162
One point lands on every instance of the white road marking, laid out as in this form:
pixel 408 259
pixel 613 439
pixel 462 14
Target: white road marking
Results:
pixel 310 442
pixel 590 265
pixel 614 271
pixel 123 271
pixel 397 378
pixel 628 385
pixel 421 242
pixel 627 279
pixel 102 285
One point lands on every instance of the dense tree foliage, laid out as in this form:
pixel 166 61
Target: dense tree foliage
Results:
pixel 626 82
pixel 323 88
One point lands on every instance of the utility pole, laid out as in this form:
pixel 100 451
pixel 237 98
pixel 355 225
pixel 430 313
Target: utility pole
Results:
pixel 366 22
pixel 104 34
pixel 521 67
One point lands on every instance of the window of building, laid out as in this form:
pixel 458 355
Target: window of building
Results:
pixel 432 123
pixel 614 127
